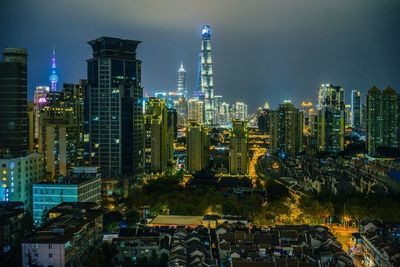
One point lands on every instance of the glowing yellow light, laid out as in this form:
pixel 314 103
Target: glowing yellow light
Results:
pixel 4 171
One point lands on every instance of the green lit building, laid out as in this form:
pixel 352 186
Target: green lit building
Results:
pixel 159 136
pixel 238 148
pixel 382 119
pixel 287 129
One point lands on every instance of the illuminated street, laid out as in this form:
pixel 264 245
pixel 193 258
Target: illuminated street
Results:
pixel 257 152
pixel 343 235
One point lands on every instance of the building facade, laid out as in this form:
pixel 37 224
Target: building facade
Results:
pixel 159 136
pixel 181 83
pixel 75 231
pixel 197 147
pixel 113 115
pixel 240 111
pixel 382 119
pixel 238 148
pixel 206 76
pixel 47 195
pixel 13 104
pixel 331 118
pixel 356 109
pixel 58 139
pixel 330 130
pixel 195 110
pixel 287 129
pixel 18 175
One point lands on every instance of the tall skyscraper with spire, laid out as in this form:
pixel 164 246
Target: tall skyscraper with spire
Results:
pixel 206 80
pixel 53 78
pixel 181 86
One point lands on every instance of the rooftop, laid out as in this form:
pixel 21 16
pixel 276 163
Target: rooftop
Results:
pixel 177 220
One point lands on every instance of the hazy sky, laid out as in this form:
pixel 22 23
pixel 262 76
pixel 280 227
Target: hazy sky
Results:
pixel 262 49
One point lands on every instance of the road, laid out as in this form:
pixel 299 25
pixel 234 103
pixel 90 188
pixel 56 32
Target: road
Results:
pixel 257 152
pixel 343 235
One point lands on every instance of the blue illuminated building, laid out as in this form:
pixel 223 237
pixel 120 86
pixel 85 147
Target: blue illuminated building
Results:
pixel 18 175
pixel 47 195
pixel 53 78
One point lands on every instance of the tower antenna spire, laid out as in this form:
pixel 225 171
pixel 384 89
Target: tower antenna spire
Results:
pixel 53 78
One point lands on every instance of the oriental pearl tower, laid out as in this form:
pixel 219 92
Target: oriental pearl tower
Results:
pixel 53 78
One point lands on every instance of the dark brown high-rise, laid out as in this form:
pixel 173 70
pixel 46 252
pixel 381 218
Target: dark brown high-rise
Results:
pixel 13 102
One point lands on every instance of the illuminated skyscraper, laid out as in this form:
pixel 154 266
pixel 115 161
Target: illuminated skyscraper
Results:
pixel 53 78
pixel 58 139
pixel 197 147
pixel 238 148
pixel 114 107
pixel 39 100
pixel 356 109
pixel 195 110
pixel 180 103
pixel 13 104
pixel 347 114
pixel 330 130
pixel 331 118
pixel 181 86
pixel 159 137
pixel 331 96
pixel 240 111
pixel 382 119
pixel 206 80
pixel 287 129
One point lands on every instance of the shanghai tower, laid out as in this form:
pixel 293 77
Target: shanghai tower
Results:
pixel 206 82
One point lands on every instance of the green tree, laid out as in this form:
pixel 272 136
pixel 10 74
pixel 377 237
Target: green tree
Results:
pixel 132 217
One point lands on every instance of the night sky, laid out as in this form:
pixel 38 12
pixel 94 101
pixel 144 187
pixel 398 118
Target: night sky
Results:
pixel 262 49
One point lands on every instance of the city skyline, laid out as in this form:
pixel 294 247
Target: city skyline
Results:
pixel 205 133
pixel 281 57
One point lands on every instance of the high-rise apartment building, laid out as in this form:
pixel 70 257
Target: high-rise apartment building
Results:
pixel 356 109
pixel 347 115
pixel 113 107
pixel 287 129
pixel 31 127
pixel 13 104
pixel 331 96
pixel 158 151
pixel 390 118
pixel 264 121
pixel 197 147
pixel 181 106
pixel 238 148
pixel 331 118
pixel 39 100
pixel 195 110
pixel 224 114
pixel 240 111
pixel 218 100
pixel 74 97
pixel 330 130
pixel 58 139
pixel 382 119
pixel 206 76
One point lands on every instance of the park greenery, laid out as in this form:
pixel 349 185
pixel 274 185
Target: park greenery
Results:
pixel 169 195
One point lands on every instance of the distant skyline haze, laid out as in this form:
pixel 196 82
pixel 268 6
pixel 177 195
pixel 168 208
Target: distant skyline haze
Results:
pixel 263 50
